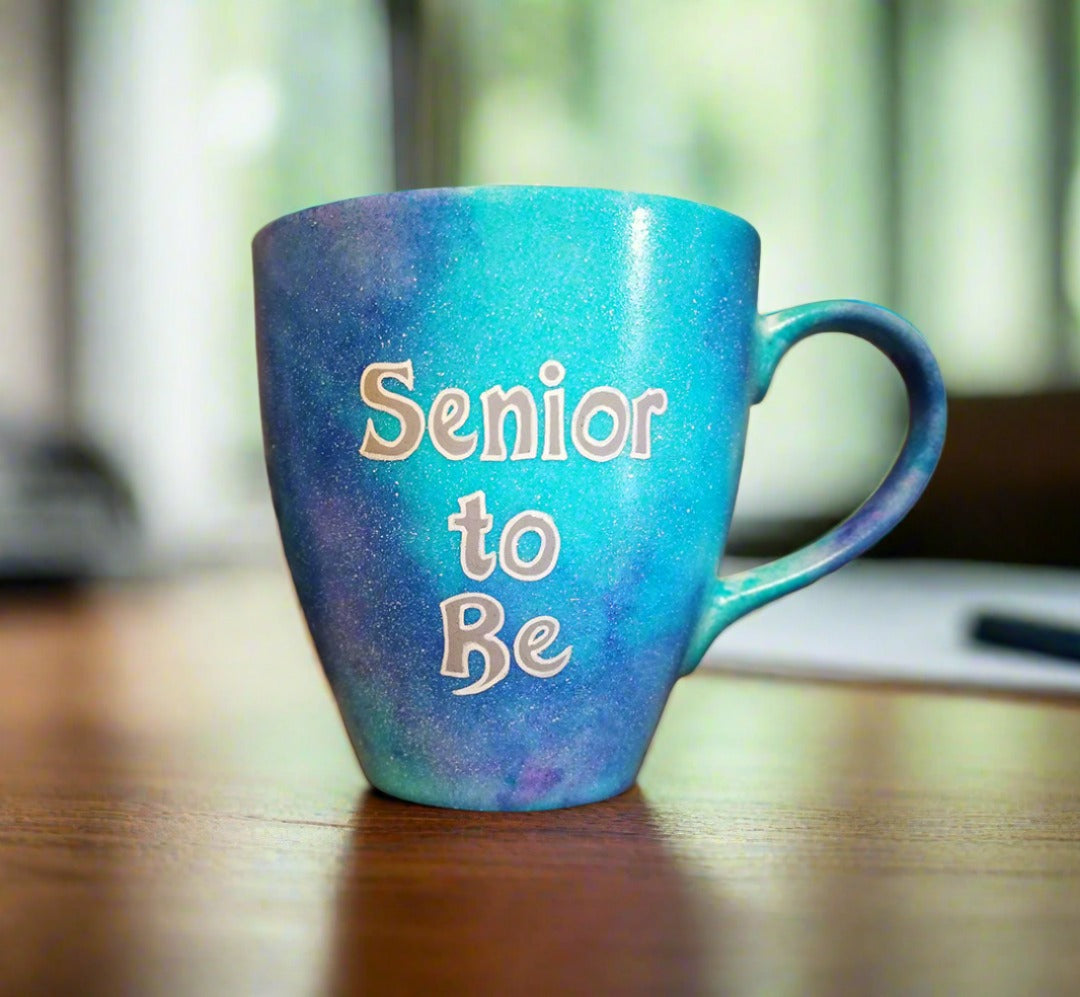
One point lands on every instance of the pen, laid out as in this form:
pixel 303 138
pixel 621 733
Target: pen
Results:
pixel 1019 633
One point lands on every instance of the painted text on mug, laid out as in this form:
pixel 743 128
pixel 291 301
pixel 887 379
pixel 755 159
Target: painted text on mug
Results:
pixel 630 421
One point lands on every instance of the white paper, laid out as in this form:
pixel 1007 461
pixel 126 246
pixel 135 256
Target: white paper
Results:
pixel 906 621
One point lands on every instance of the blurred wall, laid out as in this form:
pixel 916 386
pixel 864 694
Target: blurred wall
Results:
pixel 921 153
pixel 32 207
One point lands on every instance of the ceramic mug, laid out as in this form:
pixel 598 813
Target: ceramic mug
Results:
pixel 504 429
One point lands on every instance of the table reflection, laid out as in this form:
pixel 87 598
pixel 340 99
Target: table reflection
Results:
pixel 581 900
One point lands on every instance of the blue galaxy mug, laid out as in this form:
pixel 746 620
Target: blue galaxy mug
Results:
pixel 504 429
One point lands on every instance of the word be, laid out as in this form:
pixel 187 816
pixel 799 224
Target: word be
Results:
pixel 450 411
pixel 460 639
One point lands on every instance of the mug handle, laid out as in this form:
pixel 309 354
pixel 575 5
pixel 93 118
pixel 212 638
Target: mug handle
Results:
pixel 736 595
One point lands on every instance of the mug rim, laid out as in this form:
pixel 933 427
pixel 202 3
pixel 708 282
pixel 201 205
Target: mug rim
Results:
pixel 417 193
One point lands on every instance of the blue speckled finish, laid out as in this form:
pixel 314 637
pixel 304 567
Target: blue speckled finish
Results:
pixel 481 287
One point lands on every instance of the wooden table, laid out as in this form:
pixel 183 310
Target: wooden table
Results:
pixel 180 813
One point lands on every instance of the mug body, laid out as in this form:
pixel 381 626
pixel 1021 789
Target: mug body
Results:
pixel 504 428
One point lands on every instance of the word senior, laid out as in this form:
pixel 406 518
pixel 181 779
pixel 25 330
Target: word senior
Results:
pixel 630 420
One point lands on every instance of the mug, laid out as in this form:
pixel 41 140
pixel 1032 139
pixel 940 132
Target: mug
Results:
pixel 504 429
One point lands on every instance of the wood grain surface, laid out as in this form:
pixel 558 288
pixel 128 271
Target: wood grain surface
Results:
pixel 180 814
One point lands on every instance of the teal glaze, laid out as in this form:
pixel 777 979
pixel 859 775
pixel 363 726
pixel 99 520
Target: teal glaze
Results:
pixel 479 288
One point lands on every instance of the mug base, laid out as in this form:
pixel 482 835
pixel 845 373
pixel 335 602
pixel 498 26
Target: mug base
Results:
pixel 511 802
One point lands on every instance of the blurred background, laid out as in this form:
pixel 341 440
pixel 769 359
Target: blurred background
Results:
pixel 917 153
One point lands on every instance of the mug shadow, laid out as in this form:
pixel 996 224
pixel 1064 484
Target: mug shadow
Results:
pixel 586 900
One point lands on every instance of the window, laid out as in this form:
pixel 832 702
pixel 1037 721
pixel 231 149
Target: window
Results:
pixel 194 124
pixel 919 153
